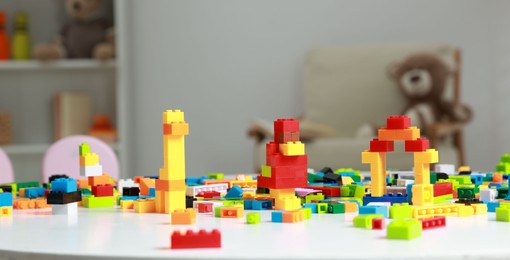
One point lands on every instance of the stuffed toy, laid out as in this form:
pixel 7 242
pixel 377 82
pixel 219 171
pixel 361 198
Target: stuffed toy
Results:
pixel 422 79
pixel 86 35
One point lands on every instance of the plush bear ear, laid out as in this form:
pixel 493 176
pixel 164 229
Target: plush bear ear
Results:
pixel 392 69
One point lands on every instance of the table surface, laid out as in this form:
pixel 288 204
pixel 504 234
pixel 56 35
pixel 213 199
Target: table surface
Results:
pixel 114 233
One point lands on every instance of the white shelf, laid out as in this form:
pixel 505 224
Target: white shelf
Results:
pixel 76 64
pixel 27 149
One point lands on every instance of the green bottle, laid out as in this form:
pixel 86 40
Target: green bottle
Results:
pixel 20 46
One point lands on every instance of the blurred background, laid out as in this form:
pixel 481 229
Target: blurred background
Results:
pixel 224 63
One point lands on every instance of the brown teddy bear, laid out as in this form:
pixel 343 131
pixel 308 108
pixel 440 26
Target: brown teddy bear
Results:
pixel 422 79
pixel 86 35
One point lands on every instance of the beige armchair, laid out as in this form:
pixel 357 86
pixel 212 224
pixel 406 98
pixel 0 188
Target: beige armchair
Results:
pixel 346 88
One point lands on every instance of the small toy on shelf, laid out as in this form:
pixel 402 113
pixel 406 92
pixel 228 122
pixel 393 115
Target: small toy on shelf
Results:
pixel 103 129
pixel 4 38
pixel 88 34
pixel 20 40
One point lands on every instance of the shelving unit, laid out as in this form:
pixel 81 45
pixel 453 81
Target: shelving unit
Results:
pixel 27 88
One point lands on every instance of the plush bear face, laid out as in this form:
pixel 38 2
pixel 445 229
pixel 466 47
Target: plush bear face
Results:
pixel 83 9
pixel 420 76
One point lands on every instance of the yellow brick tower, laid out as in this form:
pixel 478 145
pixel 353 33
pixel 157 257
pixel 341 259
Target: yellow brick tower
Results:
pixel 171 187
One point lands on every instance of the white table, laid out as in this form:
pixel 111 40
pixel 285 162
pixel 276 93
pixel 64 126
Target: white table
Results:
pixel 113 233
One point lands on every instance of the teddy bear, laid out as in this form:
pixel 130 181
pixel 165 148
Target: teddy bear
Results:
pixel 88 34
pixel 422 79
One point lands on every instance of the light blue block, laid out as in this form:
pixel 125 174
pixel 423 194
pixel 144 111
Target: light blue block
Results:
pixel 365 210
pixel 312 206
pixel 277 216
pixel 248 204
pixel 64 185
pixel 234 192
pixel 5 199
pixel 262 204
pixel 34 192
pixel 492 205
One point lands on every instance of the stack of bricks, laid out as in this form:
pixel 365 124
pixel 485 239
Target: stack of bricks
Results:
pixel 64 196
pixel 171 185
pixel 102 189
pixel 5 204
pixel 5 128
pixel 286 165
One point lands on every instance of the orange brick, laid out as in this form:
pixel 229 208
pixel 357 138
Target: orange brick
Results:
pixel 170 185
pixel 497 177
pixel 99 180
pixel 184 217
pixel 83 184
pixel 350 207
pixel 231 212
pixel 144 206
pixel 411 133
pixel 293 216
pixel 145 185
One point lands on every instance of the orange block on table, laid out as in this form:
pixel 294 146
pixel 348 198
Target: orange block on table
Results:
pixel 231 212
pixel 83 183
pixel 145 185
pixel 99 180
pixel 184 217
pixel 293 216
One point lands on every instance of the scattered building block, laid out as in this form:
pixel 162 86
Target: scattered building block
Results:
pixel 191 239
pixel 184 217
pixel 404 229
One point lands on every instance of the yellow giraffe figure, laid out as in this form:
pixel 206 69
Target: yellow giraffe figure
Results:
pixel 171 186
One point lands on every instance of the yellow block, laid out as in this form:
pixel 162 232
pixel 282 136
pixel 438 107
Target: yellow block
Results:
pixel 282 193
pixel 464 168
pixel 287 204
pixel 377 161
pixel 144 206
pixel 127 204
pixel 89 159
pixel 436 210
pixel 347 180
pixel 480 208
pixel 427 156
pixel 160 201
pixel 174 163
pixel 411 133
pixel 174 200
pixel 423 194
pixel 173 116
pixel 466 211
pixel 5 211
pixel 292 148
pixel 266 171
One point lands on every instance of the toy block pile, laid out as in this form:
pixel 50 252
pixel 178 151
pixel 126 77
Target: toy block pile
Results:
pixel 286 165
pixel 102 189
pixel 64 196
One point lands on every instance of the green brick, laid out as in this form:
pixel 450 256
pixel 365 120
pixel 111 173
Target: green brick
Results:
pixel 404 229
pixel 505 158
pixel 465 193
pixel 433 178
pixel 253 218
pixel 502 193
pixel 365 221
pixel 461 179
pixel 357 191
pixel 322 208
pixel 503 214
pixel 217 212
pixel 311 177
pixel 443 198
pixel 307 212
pixel 401 211
pixel 215 176
pixel 29 184
pixel 310 197
pixel 98 202
pixel 336 208
pixel 346 192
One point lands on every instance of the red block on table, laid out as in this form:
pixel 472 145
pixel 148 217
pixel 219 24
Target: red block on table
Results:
pixel 442 188
pixel 435 222
pixel 418 145
pixel 205 207
pixel 191 239
pixel 398 122
pixel 377 145
pixel 327 191
pixel 208 194
pixel 102 190
pixel 378 223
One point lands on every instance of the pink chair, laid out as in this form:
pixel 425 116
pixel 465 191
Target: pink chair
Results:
pixel 63 157
pixel 6 171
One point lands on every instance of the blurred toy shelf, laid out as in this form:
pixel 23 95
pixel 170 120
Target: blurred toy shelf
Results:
pixel 29 149
pixel 78 64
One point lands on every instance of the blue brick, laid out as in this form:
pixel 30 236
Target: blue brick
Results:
pixel 34 192
pixel 64 185
pixel 152 192
pixel 248 204
pixel 494 185
pixel 477 179
pixel 277 216
pixel 409 191
pixel 491 205
pixel 365 210
pixel 234 193
pixel 192 181
pixel 393 198
pixel 312 206
pixel 129 198
pixel 262 204
pixel 5 199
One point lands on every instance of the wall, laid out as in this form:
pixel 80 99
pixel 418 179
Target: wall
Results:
pixel 226 62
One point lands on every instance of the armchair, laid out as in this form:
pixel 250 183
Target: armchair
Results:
pixel 346 88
